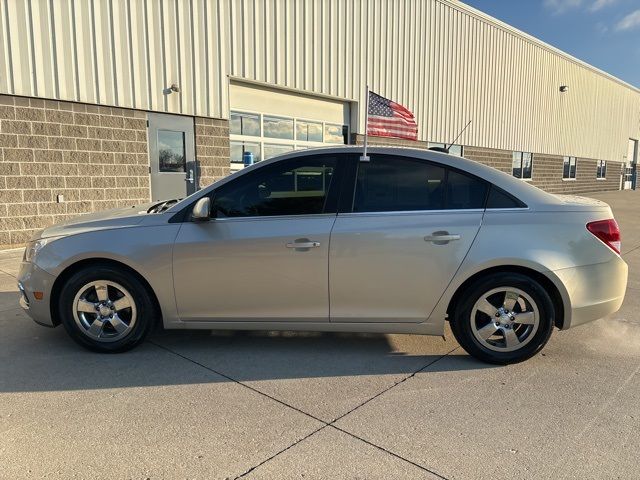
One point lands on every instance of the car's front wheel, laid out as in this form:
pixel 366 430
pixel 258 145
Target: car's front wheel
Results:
pixel 503 318
pixel 105 309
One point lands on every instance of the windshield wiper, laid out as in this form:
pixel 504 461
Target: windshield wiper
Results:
pixel 162 206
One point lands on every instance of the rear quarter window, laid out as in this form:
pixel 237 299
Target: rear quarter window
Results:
pixel 465 191
pixel 501 199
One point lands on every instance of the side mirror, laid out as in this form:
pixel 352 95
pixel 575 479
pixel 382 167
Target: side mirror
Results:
pixel 201 210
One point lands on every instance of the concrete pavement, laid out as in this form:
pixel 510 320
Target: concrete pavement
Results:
pixel 304 405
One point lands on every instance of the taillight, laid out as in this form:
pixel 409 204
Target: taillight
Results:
pixel 608 231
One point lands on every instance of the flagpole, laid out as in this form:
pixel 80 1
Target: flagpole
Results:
pixel 365 157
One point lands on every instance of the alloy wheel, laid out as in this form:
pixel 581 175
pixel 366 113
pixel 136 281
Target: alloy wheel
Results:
pixel 504 319
pixel 104 311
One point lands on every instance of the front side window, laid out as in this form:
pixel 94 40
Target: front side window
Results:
pixel 569 168
pixel 601 172
pixel 522 165
pixel 292 187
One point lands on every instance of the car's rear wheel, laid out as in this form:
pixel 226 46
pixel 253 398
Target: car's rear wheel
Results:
pixel 106 310
pixel 503 318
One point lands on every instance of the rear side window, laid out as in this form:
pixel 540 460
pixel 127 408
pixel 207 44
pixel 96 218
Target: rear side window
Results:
pixel 500 199
pixel 388 184
pixel 394 184
pixel 465 191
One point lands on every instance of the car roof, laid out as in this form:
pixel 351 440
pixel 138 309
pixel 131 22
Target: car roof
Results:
pixel 521 189
pixel 524 191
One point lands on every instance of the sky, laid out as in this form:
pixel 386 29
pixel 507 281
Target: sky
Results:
pixel 604 33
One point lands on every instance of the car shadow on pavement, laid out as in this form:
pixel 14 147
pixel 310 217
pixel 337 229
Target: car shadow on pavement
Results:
pixel 35 358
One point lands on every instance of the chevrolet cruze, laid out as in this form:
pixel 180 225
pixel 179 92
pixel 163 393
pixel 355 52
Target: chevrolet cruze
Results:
pixel 401 241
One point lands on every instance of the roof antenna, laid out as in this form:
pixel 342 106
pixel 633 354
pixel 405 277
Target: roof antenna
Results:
pixel 456 139
pixel 446 149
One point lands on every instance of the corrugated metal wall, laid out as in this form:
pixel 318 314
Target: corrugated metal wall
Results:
pixel 118 52
pixel 445 61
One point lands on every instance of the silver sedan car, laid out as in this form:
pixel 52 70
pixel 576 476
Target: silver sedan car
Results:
pixel 325 240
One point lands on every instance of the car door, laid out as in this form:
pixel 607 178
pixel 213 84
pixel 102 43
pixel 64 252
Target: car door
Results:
pixel 396 249
pixel 264 255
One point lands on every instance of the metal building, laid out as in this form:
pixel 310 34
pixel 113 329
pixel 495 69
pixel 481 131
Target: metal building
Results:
pixel 107 103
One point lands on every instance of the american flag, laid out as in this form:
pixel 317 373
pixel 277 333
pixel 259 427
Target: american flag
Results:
pixel 390 119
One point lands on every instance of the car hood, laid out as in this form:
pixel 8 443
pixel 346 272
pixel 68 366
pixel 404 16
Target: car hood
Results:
pixel 105 220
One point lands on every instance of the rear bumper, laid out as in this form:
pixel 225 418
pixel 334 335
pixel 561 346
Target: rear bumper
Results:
pixel 594 291
pixel 33 279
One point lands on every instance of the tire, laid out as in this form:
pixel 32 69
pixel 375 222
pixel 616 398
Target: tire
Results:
pixel 521 326
pixel 106 309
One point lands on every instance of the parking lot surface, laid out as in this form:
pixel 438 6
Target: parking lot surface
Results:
pixel 302 405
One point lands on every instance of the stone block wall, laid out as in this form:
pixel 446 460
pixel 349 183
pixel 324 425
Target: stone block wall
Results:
pixel 94 156
pixel 212 149
pixel 547 171
pixel 547 174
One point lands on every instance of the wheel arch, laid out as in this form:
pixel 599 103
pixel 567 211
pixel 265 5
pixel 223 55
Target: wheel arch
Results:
pixel 547 283
pixel 79 265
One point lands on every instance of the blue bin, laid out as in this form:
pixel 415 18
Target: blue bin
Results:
pixel 247 158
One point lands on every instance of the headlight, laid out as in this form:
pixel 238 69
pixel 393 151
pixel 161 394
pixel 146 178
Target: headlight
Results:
pixel 31 252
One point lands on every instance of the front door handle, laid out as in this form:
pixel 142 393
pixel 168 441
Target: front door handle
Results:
pixel 441 238
pixel 303 243
pixel 190 178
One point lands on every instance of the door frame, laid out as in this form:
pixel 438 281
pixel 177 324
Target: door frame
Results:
pixel 632 163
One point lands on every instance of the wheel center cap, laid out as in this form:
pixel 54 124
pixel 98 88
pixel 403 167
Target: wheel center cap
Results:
pixel 505 319
pixel 105 311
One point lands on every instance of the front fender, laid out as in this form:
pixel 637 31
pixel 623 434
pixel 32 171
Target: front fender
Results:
pixel 145 249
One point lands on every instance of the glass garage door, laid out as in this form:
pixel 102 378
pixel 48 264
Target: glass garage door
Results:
pixel 267 122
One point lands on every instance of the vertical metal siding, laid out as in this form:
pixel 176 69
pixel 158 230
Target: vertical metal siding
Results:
pixel 446 61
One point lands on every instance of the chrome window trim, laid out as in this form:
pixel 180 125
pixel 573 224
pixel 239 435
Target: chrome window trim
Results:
pixel 273 217
pixel 437 212
pixel 415 212
pixel 510 209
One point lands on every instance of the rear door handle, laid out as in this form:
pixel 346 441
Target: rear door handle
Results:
pixel 303 243
pixel 442 238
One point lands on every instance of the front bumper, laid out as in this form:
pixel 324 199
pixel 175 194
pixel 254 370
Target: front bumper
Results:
pixel 594 291
pixel 33 279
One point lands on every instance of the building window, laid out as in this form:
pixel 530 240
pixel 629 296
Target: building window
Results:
pixel 171 151
pixel 334 134
pixel 569 168
pixel 308 131
pixel 271 150
pixel 245 124
pixel 456 150
pixel 238 150
pixel 522 165
pixel 601 172
pixel 276 127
